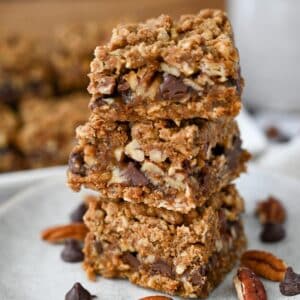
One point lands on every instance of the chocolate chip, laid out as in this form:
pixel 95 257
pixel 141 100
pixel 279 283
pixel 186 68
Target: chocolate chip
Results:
pixel 134 175
pixel 218 150
pixel 274 134
pixel 197 276
pixel 98 247
pixel 233 153
pixel 131 260
pixel 72 251
pixel 163 268
pixel 9 94
pixel 76 163
pixel 78 292
pixel 272 233
pixel 97 103
pixel 4 150
pixel 123 86
pixel 78 213
pixel 237 83
pixel 173 88
pixel 124 91
pixel 290 286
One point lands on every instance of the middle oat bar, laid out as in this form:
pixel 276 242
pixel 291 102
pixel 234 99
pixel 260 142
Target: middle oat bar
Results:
pixel 162 163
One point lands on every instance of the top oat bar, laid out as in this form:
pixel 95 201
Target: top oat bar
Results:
pixel 165 69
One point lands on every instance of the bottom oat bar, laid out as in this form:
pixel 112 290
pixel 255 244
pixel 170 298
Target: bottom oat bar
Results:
pixel 180 254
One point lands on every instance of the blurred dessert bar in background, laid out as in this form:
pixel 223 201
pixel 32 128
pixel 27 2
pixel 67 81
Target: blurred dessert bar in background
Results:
pixel 42 96
pixel 46 136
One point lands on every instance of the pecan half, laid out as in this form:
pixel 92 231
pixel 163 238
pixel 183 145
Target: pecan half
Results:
pixel 264 264
pixel 248 286
pixel 156 298
pixel 59 234
pixel 271 211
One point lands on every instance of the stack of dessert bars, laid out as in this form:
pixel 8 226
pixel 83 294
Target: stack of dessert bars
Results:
pixel 162 148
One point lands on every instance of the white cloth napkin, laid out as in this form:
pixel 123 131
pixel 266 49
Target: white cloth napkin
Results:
pixel 282 158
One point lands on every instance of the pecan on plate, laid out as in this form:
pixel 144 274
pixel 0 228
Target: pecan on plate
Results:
pixel 264 264
pixel 248 286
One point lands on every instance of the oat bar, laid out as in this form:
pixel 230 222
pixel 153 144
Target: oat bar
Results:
pixel 160 163
pixel 187 255
pixel 166 69
pixel 47 135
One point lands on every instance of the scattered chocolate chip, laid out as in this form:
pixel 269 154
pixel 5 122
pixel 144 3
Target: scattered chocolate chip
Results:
pixel 163 268
pixel 134 175
pixel 131 260
pixel 290 286
pixel 272 233
pixel 78 213
pixel 72 251
pixel 274 134
pixel 78 292
pixel 76 163
pixel 173 88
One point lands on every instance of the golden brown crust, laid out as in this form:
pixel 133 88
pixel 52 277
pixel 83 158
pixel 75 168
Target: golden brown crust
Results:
pixel 168 69
pixel 165 250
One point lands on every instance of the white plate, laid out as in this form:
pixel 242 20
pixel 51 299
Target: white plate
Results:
pixel 32 269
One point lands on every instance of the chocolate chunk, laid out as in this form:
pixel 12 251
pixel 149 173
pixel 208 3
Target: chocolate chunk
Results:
pixel 72 251
pixel 134 176
pixel 196 276
pixel 233 153
pixel 290 286
pixel 237 83
pixel 218 150
pixel 274 134
pixel 78 213
pixel 76 163
pixel 173 88
pixel 163 268
pixel 4 150
pixel 96 103
pixel 9 94
pixel 98 246
pixel 125 91
pixel 272 233
pixel 78 292
pixel 130 259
